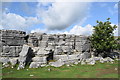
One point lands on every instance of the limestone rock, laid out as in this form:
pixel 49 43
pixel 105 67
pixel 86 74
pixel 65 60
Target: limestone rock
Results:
pixel 4 59
pixel 34 65
pixel 39 59
pixel 25 50
pixel 13 61
pixel 6 49
pixel 83 62
pixel 42 51
pixel 58 63
pixel 85 55
pixel 21 66
pixel 58 50
pixel 86 47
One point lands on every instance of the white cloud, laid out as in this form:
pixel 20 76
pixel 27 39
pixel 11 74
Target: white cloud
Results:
pixel 87 30
pixel 116 30
pixel 39 30
pixel 116 6
pixel 14 21
pixel 61 15
pixel 79 30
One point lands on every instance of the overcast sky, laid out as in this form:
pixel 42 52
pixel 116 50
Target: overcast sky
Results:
pixel 57 17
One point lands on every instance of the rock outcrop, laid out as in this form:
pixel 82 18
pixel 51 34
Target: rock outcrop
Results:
pixel 32 49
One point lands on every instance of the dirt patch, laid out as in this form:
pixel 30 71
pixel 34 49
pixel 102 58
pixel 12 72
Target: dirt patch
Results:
pixel 108 65
pixel 106 71
pixel 78 76
pixel 65 70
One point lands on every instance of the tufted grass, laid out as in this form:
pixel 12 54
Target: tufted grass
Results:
pixel 99 70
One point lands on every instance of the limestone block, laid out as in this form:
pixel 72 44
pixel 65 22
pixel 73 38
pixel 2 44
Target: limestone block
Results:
pixel 73 56
pixel 42 51
pixel 39 59
pixel 5 54
pixel 13 61
pixel 61 43
pixel 67 48
pixel 18 49
pixel 45 37
pixel 6 49
pixel 68 36
pixel 78 38
pixel 1 47
pixel 35 65
pixel 86 47
pixel 58 50
pixel 86 55
pixel 63 57
pixel 58 63
pixel 22 59
pixel 13 51
pixel 35 49
pixel 78 46
pixel 25 50
pixel 43 44
pixel 51 45
pixel 70 43
pixel 4 59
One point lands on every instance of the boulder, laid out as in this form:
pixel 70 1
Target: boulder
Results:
pixel 85 55
pixel 25 56
pixel 34 65
pixel 83 62
pixel 58 63
pixel 90 61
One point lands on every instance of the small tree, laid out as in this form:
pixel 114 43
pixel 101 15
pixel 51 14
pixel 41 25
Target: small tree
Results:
pixel 102 39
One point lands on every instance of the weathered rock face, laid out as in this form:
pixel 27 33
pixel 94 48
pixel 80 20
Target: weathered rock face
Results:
pixel 12 37
pixel 60 43
pixel 11 42
pixel 11 51
pixel 21 46
pixel 25 56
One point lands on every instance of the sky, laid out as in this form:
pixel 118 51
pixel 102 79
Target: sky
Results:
pixel 57 17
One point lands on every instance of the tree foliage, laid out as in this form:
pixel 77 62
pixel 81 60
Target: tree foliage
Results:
pixel 102 39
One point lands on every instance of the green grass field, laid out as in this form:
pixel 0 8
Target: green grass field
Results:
pixel 99 70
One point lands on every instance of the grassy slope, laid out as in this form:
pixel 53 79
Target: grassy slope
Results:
pixel 105 70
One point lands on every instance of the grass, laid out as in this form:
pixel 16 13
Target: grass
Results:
pixel 0 71
pixel 99 70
